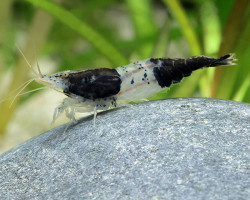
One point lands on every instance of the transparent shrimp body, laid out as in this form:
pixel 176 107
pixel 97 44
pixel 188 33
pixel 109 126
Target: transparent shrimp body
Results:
pixel 100 89
pixel 104 88
pixel 57 81
pixel 66 83
pixel 138 81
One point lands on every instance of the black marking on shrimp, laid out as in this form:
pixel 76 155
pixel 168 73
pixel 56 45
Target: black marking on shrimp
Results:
pixel 132 81
pixel 145 75
pixel 154 60
pixel 170 71
pixel 113 102
pixel 124 68
pixel 95 83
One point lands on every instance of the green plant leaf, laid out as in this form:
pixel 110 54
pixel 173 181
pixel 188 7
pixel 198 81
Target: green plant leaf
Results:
pixel 142 16
pixel 211 35
pixel 88 33
pixel 225 77
pixel 161 45
pixel 187 30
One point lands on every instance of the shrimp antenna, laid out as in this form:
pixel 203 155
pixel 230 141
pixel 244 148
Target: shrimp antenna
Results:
pixel 37 65
pixel 27 61
pixel 11 93
pixel 40 88
pixel 21 91
pixel 38 68
pixel 9 98
pixel 16 89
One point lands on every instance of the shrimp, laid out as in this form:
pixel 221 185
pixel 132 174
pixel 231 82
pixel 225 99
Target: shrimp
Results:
pixel 94 90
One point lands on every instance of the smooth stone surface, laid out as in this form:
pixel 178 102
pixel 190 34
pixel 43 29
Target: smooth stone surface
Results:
pixel 171 149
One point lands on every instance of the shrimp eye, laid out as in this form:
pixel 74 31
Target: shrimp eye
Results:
pixel 65 74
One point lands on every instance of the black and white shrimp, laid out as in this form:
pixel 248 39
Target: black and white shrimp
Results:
pixel 104 88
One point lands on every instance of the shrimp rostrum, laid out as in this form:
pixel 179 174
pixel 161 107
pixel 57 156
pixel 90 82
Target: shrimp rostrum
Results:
pixel 104 88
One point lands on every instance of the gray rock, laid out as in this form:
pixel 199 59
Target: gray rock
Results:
pixel 172 149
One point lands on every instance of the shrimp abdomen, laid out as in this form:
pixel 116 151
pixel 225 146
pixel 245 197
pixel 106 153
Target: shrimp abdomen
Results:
pixel 168 71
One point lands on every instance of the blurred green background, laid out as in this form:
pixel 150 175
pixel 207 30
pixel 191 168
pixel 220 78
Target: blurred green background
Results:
pixel 82 34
